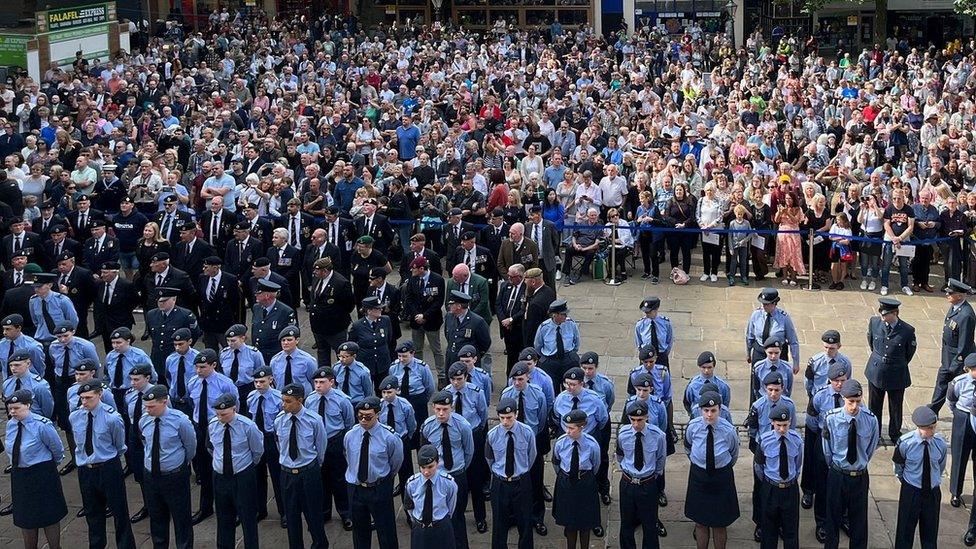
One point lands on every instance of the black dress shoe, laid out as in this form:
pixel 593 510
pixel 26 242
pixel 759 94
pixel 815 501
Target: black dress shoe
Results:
pixel 541 529
pixel 546 494
pixel 200 516
pixel 326 517
pixel 126 471
pixel 606 499
pixel 757 534
pixel 598 532
pixel 970 538
pixel 662 532
pixel 955 501
pixel 237 522
pixel 261 516
pixel 283 522
pixel 821 534
pixel 845 526
pixel 81 512
pixel 6 470
pixel 108 512
pixel 347 524
pixel 482 526
pixel 398 490
pixel 70 466
pixel 807 501
pixel 662 500
pixel 140 515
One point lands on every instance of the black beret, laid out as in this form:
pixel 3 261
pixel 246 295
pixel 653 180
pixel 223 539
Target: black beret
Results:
pixel 648 352
pixel 263 371
pixel 519 369
pixel 289 331
pixel 183 334
pixel 637 408
pixel 206 356
pixel 589 357
pixel 780 412
pixel 405 347
pixel 643 380
pixel 443 398
pixel 156 392
pixel 389 382
pixel 324 372
pixel 349 347
pixel 773 378
pixel 213 260
pixel 507 406
pixel 771 341
pixel 367 404
pixel 262 262
pixel 141 370
pixel 708 399
pixel 650 304
pixel 457 369
pixel 468 351
pixel 19 356
pixel 706 357
pixel 529 353
pixel 86 365
pixel 92 385
pixel 63 328
pixel 23 396
pixel 575 374
pixel 427 455
pixel 575 417
pixel 836 370
pixel 294 390
pixel 225 401
pixel 236 330
pixel 830 336
pixel 13 320
pixel 122 333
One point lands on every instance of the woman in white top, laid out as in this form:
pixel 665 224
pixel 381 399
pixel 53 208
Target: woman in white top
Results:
pixel 709 214
pixel 871 218
pixel 531 163
pixel 34 183
pixel 623 244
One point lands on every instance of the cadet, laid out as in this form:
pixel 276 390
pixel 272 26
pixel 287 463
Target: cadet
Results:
pixel 397 414
pixel 768 321
pixel 558 341
pixel 538 376
pixel 576 458
pixel 204 390
pixel 654 330
pixel 238 361
pixel 269 316
pixel 820 364
pixel 135 454
pixel 602 384
pixel 772 364
pixel 472 404
pixel 641 453
pixel 892 343
pixel 662 384
pixel 48 308
pixel 65 353
pixel 723 410
pixel 463 327
pixel 533 410
pixel 847 476
pixel 823 401
pixel 101 435
pixel 706 367
pixel 476 374
pixel 264 404
pixel 301 450
pixel 657 415
pixel 577 397
pixel 416 380
pixel 510 451
pixel 429 498
pixel 237 446
pixel 957 338
pixel 450 432
pixel 758 423
pixel 86 370
pixel 34 449
pixel 351 376
pixel 163 321
pixel 21 377
pixel 170 445
pixel 120 361
pixel 374 335
pixel 374 453
pixel 338 417
pixel 960 396
pixel 14 339
pixel 920 459
pixel 712 445
pixel 779 457
pixel 179 370
pixel 291 364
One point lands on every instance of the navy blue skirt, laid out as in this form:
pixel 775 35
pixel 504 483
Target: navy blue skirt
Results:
pixel 576 503
pixel 37 496
pixel 711 499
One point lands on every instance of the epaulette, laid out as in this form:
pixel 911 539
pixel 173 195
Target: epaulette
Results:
pixel 474 388
pixel 413 476
pixel 388 428
pixel 110 409
pixel 38 377
pixel 43 419
pixel 446 475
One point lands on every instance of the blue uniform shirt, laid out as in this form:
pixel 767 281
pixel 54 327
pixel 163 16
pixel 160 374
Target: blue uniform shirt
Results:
pixel 173 370
pixel 545 337
pixel 765 367
pixel 39 441
pixel 482 379
pixel 177 439
pixel 303 366
pixel 726 442
pixel 132 398
pixel 60 309
pixel 693 390
pixel 74 402
pixel 665 333
pixel 43 402
pixel 272 406
pixel 217 384
pixel 908 458
pixel 311 438
pixel 404 419
pixel 723 412
pixel 338 415
pixel 539 378
pixel 359 382
pixel 603 385
pixel 661 378
pixel 589 401
pixel 823 401
pixel 655 450
pixel 961 392
pixel 835 428
pixel 246 443
pixel 767 453
pixel 421 378
pixel 589 453
pixel 443 488
pixel 781 327
pixel 657 413
pixel 108 434
pixel 385 453
pixel 496 447
pixel 817 367
pixel 758 421
pixel 461 439
pixel 22 343
pixel 474 404
pixel 536 410
pixel 130 359
pixel 249 359
pixel 78 349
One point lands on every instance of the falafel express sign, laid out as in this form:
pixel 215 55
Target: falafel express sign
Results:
pixel 81 16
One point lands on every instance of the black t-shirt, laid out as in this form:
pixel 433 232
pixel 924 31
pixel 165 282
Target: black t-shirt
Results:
pixel 899 217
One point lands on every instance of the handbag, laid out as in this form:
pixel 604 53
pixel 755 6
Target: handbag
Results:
pixel 679 277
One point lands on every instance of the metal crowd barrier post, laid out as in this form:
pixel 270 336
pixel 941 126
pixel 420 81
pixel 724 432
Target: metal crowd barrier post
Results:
pixel 612 281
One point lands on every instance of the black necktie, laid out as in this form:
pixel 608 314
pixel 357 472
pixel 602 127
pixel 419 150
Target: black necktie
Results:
pixel 390 418
pixel 166 225
pixel 767 326
pixel 405 383
pixel 259 414
pixel 427 515
pixel 345 380
pixel 363 475
pixel 48 319
pixel 560 348
pixel 446 448
pixel 511 301
pixel 228 452
pixel 836 400
pixel 137 411
pixel 575 403
pixel 240 251
pixel 90 435
pixel 322 408
pixel 212 294
pixel 710 450
pixel 107 297
pixel 852 443
pixel 459 403
pixel 293 439
pixel 521 407
pixel 639 451
pixel 288 369
pixel 155 466
pixel 10 353
pixel 15 460
pixel 18 385
pixel 926 468
pixel 202 406
pixel 18 243
pixel 510 455
pixel 888 330
pixel 66 366
pixel 117 376
pixel 235 366
pixel 784 461
pixel 181 377
pixel 654 340
pixel 574 462
pixel 294 231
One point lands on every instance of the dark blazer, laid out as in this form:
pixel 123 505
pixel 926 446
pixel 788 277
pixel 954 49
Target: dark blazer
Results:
pixel 239 264
pixel 69 245
pixel 81 292
pixel 32 246
pixel 344 240
pixel 179 219
pixel 484 261
pixel 537 311
pixel 192 263
pixel 37 226
pixel 329 311
pixel 433 263
pixel 392 307
pixel 424 299
pixel 288 265
pixel 221 313
pixel 550 239
pixel 284 295
pixel 527 254
pixel 957 337
pixel 492 238
pixel 225 229
pixel 887 366
pixel 261 230
pixel 93 258
pixel 175 278
pixel 471 330
pixel 517 311
pixel 452 240
pixel 109 316
pixel 374 344
pixel 82 234
pixel 312 254
pixel 380 230
pixel 306 225
pixel 17 301
pixel 7 282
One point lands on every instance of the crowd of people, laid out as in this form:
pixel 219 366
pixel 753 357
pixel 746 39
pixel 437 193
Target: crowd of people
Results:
pixel 232 182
